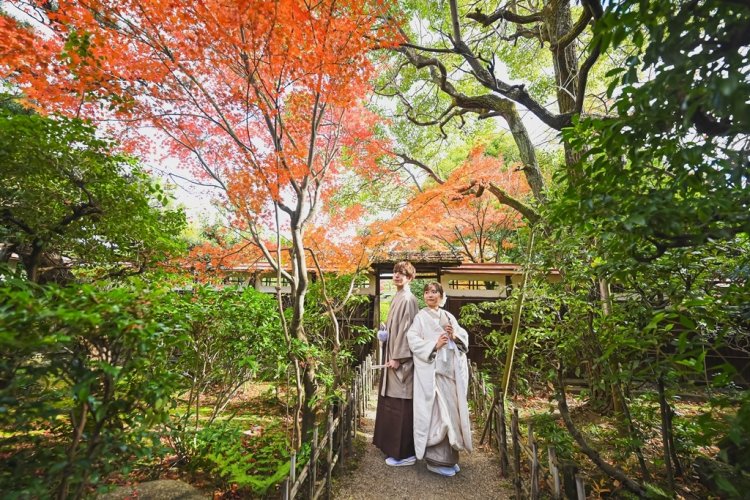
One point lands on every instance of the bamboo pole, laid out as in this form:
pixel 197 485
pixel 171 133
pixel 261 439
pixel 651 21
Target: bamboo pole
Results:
pixel 502 430
pixel 342 434
pixel 285 489
pixel 554 472
pixel 534 489
pixel 580 487
pixel 517 318
pixel 533 465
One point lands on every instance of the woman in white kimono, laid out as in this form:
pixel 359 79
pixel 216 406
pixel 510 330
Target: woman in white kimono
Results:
pixel 441 377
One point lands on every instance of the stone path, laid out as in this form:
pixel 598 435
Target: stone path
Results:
pixel 479 477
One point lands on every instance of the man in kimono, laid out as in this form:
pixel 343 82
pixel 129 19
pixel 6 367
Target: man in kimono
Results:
pixel 394 419
pixel 441 376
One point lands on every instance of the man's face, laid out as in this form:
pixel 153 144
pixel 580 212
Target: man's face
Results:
pixel 400 280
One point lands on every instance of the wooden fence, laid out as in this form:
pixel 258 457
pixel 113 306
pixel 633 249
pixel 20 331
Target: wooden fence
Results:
pixel 328 454
pixel 490 408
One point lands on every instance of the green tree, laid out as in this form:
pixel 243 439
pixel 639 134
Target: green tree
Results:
pixel 69 200
pixel 671 168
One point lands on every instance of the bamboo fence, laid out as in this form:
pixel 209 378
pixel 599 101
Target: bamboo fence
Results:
pixel 527 482
pixel 328 454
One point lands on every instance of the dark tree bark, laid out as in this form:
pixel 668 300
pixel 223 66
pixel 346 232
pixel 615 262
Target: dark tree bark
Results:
pixel 593 455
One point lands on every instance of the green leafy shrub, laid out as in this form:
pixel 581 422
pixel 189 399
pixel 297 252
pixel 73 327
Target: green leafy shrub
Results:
pixel 338 346
pixel 552 433
pixel 66 193
pixel 254 462
pixel 84 376
pixel 231 337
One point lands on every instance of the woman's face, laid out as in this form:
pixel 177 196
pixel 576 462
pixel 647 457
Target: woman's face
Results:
pixel 432 297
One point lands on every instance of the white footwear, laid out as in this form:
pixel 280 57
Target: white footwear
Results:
pixel 395 462
pixel 457 468
pixel 443 471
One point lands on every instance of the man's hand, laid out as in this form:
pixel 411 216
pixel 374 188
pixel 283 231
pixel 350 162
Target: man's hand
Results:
pixel 393 364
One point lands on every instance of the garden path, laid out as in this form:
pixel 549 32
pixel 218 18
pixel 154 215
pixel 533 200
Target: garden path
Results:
pixel 373 479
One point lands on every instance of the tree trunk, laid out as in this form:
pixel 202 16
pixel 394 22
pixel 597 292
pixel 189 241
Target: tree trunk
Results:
pixel 565 66
pixel 299 291
pixel 526 149
pixel 33 260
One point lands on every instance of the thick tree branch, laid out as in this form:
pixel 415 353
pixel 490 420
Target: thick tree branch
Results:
pixel 594 8
pixel 8 217
pixel 570 36
pixel 515 93
pixel 537 32
pixel 428 170
pixel 485 105
pixel 504 15
pixel 609 469
pixel 428 49
pixel 506 199
pixel 583 76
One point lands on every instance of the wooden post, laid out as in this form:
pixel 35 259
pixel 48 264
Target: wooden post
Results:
pixel 293 468
pixel 534 462
pixel 352 418
pixel 285 489
pixel 569 473
pixel 369 379
pixel 342 434
pixel 362 391
pixel 355 402
pixel 329 472
pixel 501 427
pixel 370 376
pixel 484 399
pixel 665 432
pixel 313 475
pixel 534 490
pixel 514 433
pixel 554 472
pixel 580 487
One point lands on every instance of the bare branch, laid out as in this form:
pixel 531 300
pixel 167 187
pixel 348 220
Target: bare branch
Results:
pixel 417 163
pixel 504 15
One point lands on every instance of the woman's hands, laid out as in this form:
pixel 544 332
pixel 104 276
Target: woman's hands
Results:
pixel 442 340
pixel 445 337
pixel 449 331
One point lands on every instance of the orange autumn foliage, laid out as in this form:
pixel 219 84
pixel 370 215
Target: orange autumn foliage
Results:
pixel 261 98
pixel 451 214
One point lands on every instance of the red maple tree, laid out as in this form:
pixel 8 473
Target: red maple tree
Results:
pixel 263 100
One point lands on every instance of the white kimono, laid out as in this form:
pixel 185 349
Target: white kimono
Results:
pixel 440 383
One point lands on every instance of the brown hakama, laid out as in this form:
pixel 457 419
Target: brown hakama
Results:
pixel 394 425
